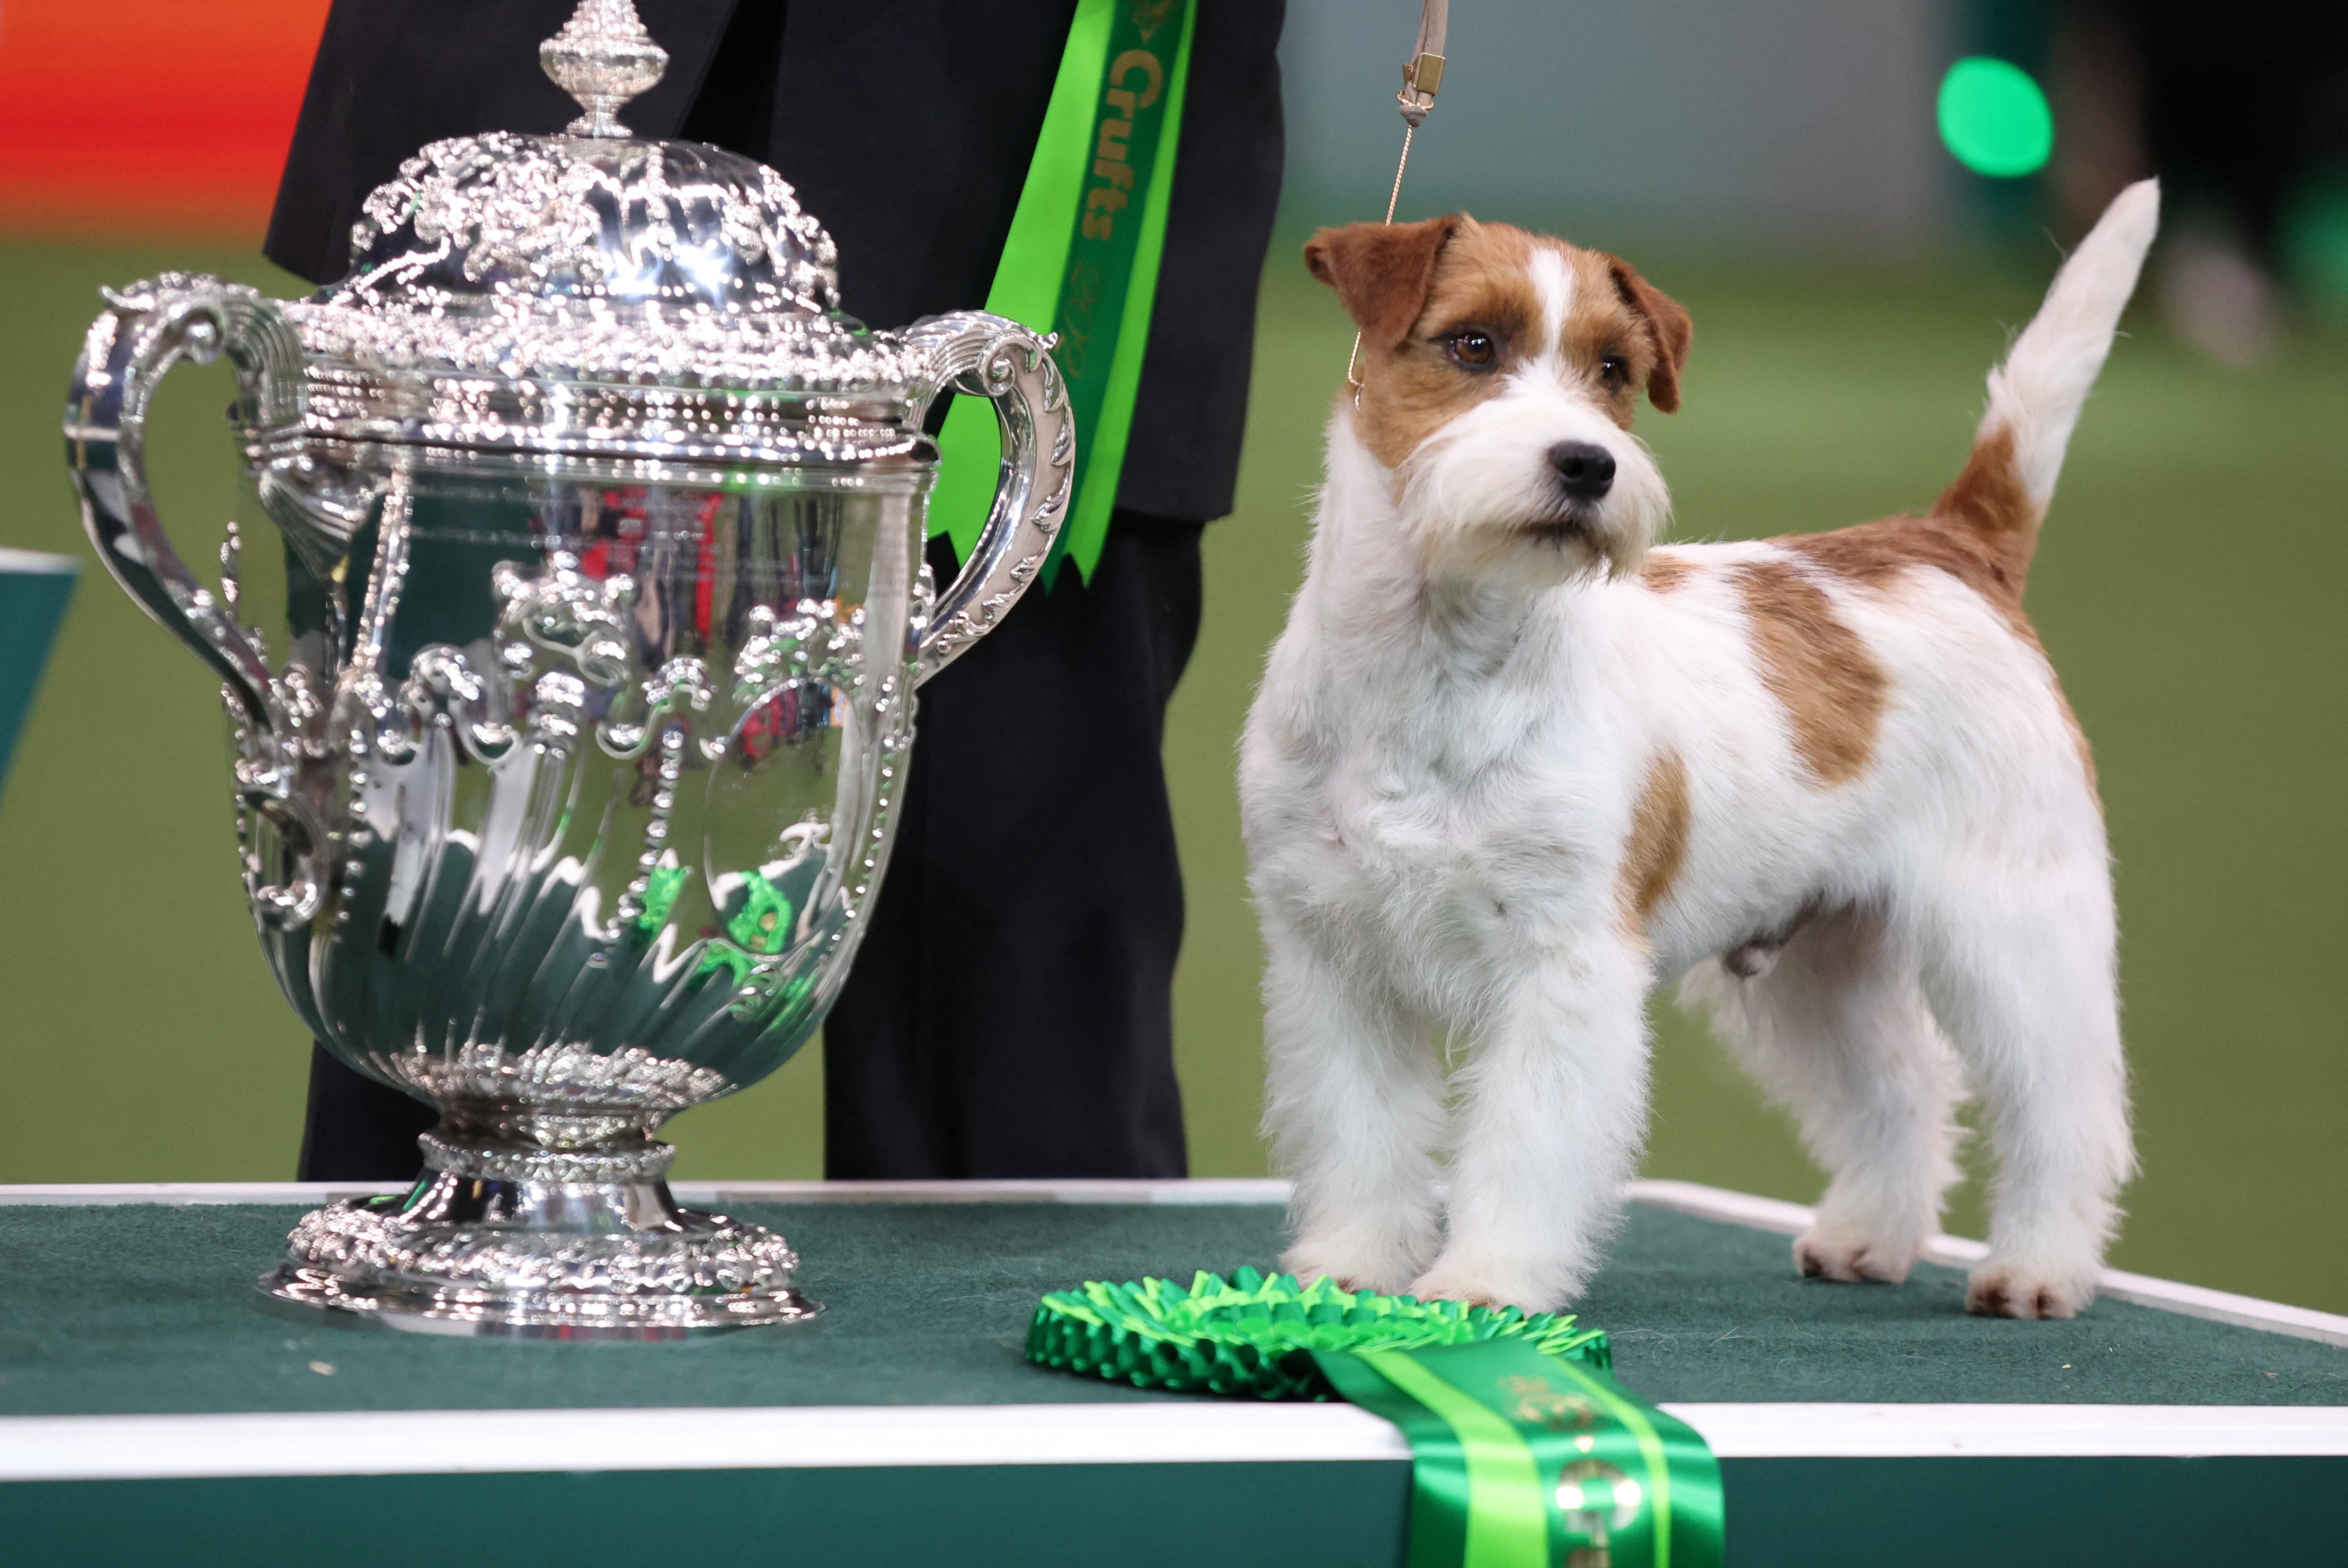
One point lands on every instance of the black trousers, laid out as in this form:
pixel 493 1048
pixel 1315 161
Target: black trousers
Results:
pixel 1010 1013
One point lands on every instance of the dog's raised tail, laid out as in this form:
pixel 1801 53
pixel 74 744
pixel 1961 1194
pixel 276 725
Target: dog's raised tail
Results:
pixel 2034 398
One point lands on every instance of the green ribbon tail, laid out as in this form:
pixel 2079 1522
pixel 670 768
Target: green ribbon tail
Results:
pixel 1522 1459
pixel 1082 260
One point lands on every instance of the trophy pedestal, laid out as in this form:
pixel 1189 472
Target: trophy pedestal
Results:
pixel 524 1241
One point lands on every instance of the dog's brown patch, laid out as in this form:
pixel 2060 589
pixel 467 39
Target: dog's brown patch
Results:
pixel 1661 574
pixel 1832 689
pixel 1876 554
pixel 1410 287
pixel 1988 497
pixel 1659 837
pixel 1982 532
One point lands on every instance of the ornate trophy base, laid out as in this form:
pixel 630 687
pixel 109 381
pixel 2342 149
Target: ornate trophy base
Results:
pixel 526 1241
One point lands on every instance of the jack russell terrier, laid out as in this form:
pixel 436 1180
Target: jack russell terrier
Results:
pixel 1510 765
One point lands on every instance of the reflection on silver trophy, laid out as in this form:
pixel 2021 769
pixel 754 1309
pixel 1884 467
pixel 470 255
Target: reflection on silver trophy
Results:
pixel 573 687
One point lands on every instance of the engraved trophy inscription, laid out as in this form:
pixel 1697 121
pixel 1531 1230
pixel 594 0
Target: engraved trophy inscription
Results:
pixel 572 686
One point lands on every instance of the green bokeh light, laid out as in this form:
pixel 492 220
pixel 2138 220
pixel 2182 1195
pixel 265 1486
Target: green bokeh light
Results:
pixel 2315 243
pixel 1994 118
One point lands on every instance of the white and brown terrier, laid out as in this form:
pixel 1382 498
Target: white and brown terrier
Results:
pixel 1511 766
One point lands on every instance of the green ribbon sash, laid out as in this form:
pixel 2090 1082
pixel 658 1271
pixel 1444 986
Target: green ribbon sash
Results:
pixel 1524 1452
pixel 1082 260
pixel 1520 1459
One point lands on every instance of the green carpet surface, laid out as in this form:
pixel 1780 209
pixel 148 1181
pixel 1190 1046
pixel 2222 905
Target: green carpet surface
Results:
pixel 147 1309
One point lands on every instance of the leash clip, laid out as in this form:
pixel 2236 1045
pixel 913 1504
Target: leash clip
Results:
pixel 1421 78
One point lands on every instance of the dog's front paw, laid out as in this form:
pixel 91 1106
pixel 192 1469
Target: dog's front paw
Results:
pixel 1488 1283
pixel 1380 1271
pixel 1847 1252
pixel 2004 1289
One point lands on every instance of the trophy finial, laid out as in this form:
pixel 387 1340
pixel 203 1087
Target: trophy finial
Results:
pixel 603 57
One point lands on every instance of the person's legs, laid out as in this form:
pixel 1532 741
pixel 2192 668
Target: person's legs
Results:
pixel 1011 1012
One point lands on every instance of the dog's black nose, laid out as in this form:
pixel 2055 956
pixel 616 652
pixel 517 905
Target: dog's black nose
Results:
pixel 1585 471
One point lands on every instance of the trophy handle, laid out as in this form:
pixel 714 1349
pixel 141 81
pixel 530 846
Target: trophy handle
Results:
pixel 993 356
pixel 146 329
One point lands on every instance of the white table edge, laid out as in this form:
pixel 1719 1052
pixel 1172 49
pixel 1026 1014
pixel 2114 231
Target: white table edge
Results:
pixel 455 1442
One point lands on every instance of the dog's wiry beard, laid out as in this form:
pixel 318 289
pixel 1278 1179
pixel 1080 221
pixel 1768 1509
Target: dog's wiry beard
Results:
pixel 1572 525
pixel 1472 509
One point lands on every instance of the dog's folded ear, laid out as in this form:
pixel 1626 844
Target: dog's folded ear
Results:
pixel 1381 271
pixel 1668 330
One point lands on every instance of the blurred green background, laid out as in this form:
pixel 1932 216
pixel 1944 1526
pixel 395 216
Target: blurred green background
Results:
pixel 2186 590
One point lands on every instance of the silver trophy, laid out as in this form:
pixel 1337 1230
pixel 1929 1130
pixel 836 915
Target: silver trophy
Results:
pixel 574 688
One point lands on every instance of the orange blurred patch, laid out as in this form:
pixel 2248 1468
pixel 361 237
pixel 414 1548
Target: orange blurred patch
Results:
pixel 144 117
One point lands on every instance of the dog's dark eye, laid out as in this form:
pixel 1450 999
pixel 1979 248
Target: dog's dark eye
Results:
pixel 1473 349
pixel 1614 372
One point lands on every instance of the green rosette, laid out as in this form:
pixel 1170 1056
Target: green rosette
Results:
pixel 1254 1335
pixel 1524 1452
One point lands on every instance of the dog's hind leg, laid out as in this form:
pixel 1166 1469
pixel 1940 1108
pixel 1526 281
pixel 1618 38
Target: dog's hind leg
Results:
pixel 1354 1107
pixel 1553 1109
pixel 1838 1032
pixel 2019 965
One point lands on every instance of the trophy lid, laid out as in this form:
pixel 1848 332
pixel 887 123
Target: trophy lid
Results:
pixel 594 255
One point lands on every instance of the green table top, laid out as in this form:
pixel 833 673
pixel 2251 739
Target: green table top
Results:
pixel 150 1309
